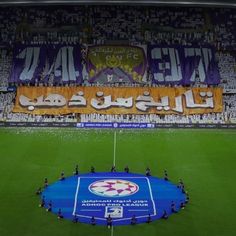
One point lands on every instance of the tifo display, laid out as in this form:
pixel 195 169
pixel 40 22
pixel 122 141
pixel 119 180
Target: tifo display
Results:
pixel 114 64
pixel 118 64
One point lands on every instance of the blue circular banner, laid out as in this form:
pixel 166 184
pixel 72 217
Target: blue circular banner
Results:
pixel 124 197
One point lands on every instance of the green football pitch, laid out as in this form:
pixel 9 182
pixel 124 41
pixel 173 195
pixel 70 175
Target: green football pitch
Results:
pixel 204 159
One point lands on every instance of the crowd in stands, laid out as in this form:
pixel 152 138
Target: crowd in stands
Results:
pixel 100 24
pixel 224 21
pixel 227 68
pixel 94 24
pixel 137 25
pixel 5 67
pixel 154 118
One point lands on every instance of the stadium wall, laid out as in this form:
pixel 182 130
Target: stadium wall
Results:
pixel 116 125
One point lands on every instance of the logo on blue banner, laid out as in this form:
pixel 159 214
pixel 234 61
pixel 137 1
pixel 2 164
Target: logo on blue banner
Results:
pixel 118 195
pixel 114 211
pixel 113 188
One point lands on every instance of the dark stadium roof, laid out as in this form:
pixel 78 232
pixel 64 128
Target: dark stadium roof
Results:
pixel 229 3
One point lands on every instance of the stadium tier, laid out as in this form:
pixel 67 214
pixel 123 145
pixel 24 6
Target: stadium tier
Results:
pixel 128 64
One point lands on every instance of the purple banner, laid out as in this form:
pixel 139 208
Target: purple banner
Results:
pixel 28 63
pixel 116 64
pixel 57 64
pixel 183 65
pixel 64 64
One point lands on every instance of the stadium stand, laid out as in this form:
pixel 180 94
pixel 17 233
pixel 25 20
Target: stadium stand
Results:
pixel 124 26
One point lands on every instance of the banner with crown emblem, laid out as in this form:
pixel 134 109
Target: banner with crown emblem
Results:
pixel 116 64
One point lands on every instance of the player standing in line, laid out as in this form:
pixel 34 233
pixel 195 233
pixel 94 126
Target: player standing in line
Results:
pixel 62 177
pixel 59 214
pixel 93 221
pixel 182 205
pixel 166 175
pixel 42 204
pixel 92 169
pixel 76 170
pixel 113 169
pixel 45 182
pixel 148 172
pixel 181 185
pixel 164 215
pixel 133 220
pixel 173 208
pixel 49 209
pixel 126 169
pixel 109 222
pixel 39 191
pixel 75 219
pixel 187 198
pixel 149 219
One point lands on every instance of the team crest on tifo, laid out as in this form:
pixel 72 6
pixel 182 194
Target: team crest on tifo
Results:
pixel 120 197
pixel 113 188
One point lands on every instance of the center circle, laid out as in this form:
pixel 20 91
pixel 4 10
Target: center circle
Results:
pixel 113 188
pixel 118 194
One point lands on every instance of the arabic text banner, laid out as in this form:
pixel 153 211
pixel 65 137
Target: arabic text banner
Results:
pixel 107 100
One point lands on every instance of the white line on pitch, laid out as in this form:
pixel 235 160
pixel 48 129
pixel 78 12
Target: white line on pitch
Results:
pixel 138 210
pixel 76 196
pixel 89 210
pixel 105 177
pixel 114 163
pixel 112 230
pixel 114 150
pixel 150 190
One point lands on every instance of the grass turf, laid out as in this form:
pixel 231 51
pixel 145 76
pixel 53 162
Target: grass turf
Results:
pixel 204 159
